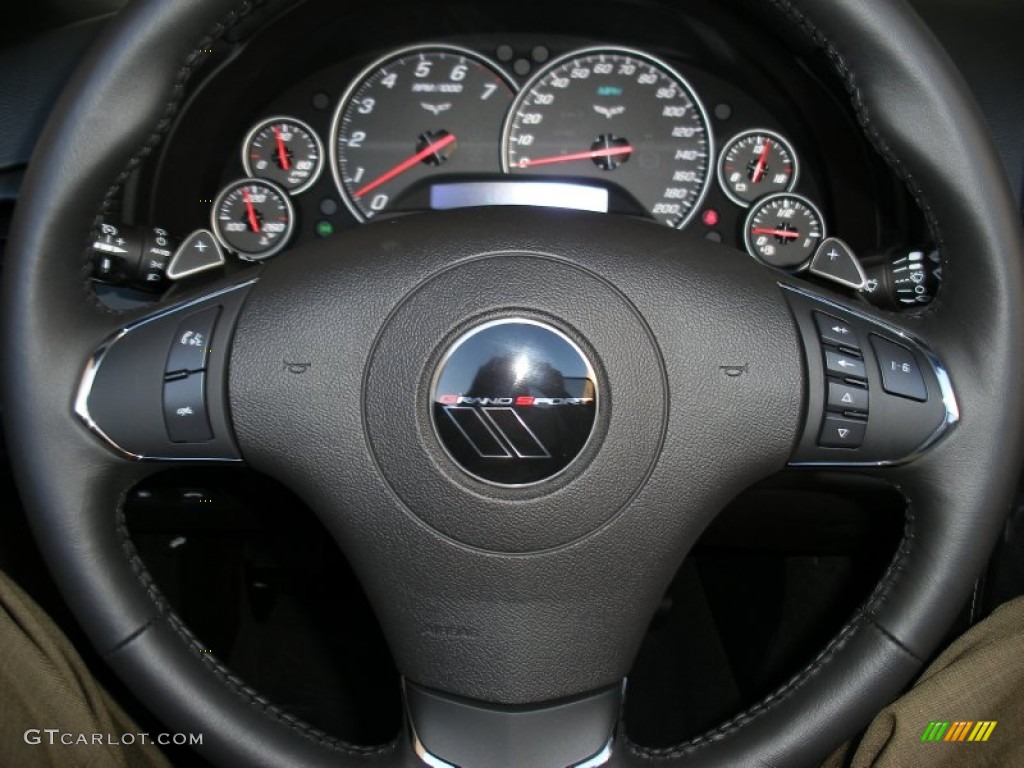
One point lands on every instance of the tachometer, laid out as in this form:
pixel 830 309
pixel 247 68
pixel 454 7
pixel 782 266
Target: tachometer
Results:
pixel 618 115
pixel 414 113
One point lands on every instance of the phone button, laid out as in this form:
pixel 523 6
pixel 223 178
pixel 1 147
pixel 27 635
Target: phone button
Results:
pixel 191 344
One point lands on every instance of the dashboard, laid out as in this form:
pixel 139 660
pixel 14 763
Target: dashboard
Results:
pixel 693 118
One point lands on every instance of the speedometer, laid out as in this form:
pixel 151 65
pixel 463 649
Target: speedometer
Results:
pixel 617 115
pixel 415 113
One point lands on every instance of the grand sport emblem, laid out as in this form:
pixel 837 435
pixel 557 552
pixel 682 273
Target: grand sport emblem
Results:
pixel 514 402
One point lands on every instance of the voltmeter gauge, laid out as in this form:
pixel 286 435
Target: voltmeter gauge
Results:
pixel 253 218
pixel 756 163
pixel 784 230
pixel 285 151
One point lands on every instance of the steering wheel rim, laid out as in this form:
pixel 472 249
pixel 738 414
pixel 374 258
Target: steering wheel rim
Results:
pixel 913 106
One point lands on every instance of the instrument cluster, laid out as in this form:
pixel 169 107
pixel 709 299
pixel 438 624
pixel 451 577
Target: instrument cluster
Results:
pixel 751 154
pixel 442 125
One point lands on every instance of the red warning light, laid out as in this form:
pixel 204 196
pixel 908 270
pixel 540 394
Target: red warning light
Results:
pixel 710 217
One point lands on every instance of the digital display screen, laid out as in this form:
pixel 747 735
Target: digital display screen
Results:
pixel 470 194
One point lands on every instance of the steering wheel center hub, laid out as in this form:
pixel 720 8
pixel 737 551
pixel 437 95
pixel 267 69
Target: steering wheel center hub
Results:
pixel 514 402
pixel 489 402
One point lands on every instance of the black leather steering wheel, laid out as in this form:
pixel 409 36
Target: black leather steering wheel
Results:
pixel 517 595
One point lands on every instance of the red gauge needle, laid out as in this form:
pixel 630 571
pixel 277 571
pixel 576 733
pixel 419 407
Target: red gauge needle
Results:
pixel 250 210
pixel 406 164
pixel 282 155
pixel 777 232
pixel 588 155
pixel 761 162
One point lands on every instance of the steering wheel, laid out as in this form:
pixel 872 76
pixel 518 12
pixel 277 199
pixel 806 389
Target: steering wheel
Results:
pixel 515 516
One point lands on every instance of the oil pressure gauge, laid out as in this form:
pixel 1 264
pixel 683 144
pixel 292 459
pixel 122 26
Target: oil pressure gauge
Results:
pixel 285 151
pixel 756 163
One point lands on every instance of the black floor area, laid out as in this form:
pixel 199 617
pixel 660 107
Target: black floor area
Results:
pixel 262 584
pixel 259 580
pixel 769 584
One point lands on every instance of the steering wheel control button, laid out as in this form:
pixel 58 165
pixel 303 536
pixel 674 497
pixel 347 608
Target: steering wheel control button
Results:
pixel 846 397
pixel 514 402
pixel 834 331
pixel 890 371
pixel 841 432
pixel 901 374
pixel 198 253
pixel 834 260
pixel 844 365
pixel 191 345
pixel 185 409
pixel 154 389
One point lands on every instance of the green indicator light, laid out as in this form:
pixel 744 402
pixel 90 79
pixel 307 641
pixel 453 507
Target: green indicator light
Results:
pixel 324 228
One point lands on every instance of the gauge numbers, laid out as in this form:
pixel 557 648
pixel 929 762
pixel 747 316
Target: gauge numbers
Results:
pixel 620 116
pixel 253 218
pixel 285 151
pixel 756 163
pixel 416 113
pixel 784 230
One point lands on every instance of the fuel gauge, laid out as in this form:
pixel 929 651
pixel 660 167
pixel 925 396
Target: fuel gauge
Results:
pixel 784 230
pixel 285 151
pixel 756 163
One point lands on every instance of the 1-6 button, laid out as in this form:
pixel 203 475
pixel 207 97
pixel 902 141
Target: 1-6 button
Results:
pixel 901 375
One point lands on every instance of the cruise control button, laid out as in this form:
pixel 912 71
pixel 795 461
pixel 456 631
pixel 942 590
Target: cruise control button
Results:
pixel 839 364
pixel 185 409
pixel 191 345
pixel 840 432
pixel 901 374
pixel 846 397
pixel 834 331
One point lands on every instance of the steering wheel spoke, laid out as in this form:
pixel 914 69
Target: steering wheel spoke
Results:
pixel 877 395
pixel 448 731
pixel 156 389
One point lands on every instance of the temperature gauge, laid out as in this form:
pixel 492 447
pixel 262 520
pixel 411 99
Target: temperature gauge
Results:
pixel 756 163
pixel 253 218
pixel 285 151
pixel 784 230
